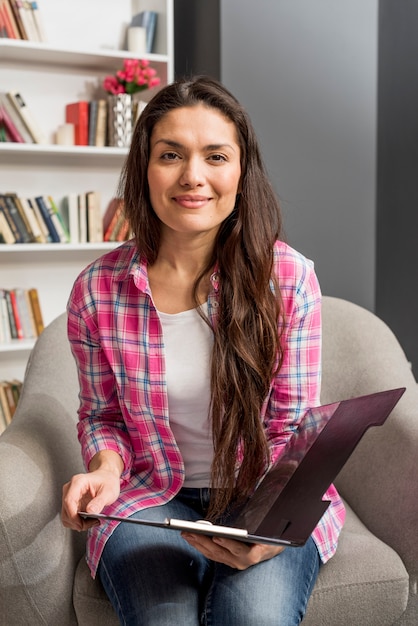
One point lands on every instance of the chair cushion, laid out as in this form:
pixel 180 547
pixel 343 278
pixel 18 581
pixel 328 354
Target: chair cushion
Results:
pixel 365 583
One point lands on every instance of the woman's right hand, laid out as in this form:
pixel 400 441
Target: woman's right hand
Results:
pixel 91 491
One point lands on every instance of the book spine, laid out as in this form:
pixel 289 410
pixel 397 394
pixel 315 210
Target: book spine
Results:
pixel 58 221
pixel 34 330
pixel 5 403
pixel 32 220
pixel 15 117
pixel 17 6
pixel 77 113
pixel 43 207
pixel 5 230
pixel 16 201
pixel 4 317
pixel 10 221
pixel 10 314
pixel 29 22
pixel 16 314
pixel 9 124
pixel 94 217
pixel 70 213
pixel 23 313
pixel 25 236
pixel 101 125
pixel 27 116
pixel 8 21
pixel 39 23
pixel 42 225
pixel 82 216
pixel 36 308
pixel 93 110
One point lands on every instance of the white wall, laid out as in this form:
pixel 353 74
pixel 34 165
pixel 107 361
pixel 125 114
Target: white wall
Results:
pixel 307 73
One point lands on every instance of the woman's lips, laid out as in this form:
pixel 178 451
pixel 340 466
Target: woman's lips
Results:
pixel 191 202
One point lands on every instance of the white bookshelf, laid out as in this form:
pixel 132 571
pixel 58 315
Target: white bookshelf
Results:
pixel 85 42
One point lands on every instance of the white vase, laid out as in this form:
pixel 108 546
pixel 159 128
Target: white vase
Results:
pixel 119 115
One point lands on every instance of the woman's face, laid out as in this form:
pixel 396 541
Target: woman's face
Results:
pixel 194 170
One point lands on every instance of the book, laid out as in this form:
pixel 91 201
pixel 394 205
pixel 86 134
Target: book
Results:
pixel 93 106
pixel 16 314
pixel 18 204
pixel 110 217
pixel 69 212
pixel 29 21
pixel 17 8
pixel 94 217
pixel 59 221
pixel 77 113
pixel 6 232
pixel 5 331
pixel 82 217
pixel 4 210
pixel 27 117
pixel 101 123
pixel 14 333
pixel 12 132
pixel 48 217
pixel 36 308
pixel 148 20
pixel 38 20
pixel 24 236
pixel 5 403
pixel 24 314
pixel 32 220
pixel 46 237
pixel 9 20
pixel 10 110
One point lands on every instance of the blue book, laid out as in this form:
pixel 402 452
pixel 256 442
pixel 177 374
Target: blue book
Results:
pixel 47 216
pixel 148 20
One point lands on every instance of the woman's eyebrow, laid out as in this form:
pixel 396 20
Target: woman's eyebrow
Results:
pixel 178 145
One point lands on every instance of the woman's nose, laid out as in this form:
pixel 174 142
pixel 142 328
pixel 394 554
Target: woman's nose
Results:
pixel 192 174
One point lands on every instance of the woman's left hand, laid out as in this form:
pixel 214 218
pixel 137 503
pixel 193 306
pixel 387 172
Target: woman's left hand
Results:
pixel 236 554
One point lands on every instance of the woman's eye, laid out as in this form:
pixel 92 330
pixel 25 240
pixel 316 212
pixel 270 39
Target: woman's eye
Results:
pixel 217 157
pixel 169 156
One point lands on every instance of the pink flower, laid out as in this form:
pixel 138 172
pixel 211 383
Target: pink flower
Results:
pixel 136 75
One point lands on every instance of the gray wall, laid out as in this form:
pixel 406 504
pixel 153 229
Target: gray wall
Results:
pixel 307 73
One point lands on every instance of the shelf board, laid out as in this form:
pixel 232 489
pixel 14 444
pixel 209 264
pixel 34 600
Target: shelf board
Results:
pixel 17 248
pixel 17 345
pixel 29 52
pixel 10 148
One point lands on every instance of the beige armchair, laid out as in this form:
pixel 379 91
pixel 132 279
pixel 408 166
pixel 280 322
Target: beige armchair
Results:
pixel 372 579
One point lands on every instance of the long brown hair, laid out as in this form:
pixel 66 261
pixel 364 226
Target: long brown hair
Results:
pixel 247 348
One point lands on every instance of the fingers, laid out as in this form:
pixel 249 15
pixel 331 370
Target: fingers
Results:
pixel 235 554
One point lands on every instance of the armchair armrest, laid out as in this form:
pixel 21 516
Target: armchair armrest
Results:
pixel 39 452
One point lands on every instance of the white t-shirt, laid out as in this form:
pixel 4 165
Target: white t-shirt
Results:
pixel 188 344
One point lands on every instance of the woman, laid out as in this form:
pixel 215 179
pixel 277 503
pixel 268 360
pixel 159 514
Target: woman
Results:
pixel 198 351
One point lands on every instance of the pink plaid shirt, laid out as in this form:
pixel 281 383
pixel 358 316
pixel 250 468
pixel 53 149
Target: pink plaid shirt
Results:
pixel 117 341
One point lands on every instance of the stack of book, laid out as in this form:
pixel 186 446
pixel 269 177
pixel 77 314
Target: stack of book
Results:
pixel 20 314
pixel 17 122
pixel 20 19
pixel 10 391
pixel 90 122
pixel 31 220
pixel 115 225
pixel 78 219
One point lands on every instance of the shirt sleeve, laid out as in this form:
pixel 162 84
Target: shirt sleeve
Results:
pixel 296 387
pixel 101 425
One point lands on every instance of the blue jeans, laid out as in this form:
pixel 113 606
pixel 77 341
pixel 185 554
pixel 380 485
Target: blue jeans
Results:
pixel 153 577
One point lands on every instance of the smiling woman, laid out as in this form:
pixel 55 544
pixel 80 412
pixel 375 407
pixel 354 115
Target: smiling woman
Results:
pixel 193 175
pixel 198 345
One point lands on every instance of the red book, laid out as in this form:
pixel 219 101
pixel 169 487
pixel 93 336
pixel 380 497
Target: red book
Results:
pixel 77 113
pixel 19 328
